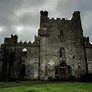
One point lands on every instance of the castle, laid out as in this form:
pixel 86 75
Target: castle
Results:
pixel 58 52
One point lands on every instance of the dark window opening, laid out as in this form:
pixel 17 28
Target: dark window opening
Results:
pixel 61 34
pixel 79 67
pixel 69 69
pixel 56 70
pixel 23 69
pixel 73 56
pixel 63 64
pixel 23 72
pixel 62 52
pixel 46 72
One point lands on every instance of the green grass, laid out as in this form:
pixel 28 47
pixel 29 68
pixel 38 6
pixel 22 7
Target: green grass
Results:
pixel 44 86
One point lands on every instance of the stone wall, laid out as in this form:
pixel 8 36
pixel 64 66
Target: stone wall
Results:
pixel 89 59
pixel 24 54
pixel 56 34
pixel 59 47
pixel 88 47
pixel 30 58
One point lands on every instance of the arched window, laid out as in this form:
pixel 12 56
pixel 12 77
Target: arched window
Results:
pixel 62 52
pixel 56 70
pixel 61 34
pixel 69 69
pixel 23 71
pixel 24 52
pixel 46 71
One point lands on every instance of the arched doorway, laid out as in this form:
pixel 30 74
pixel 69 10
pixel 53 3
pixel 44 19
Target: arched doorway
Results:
pixel 61 71
pixel 22 71
pixel 23 64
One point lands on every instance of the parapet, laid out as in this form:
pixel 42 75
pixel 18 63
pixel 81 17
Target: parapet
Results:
pixel 86 39
pixel 58 19
pixel 11 40
pixel 43 18
pixel 76 15
pixel 24 43
pixel 87 42
pixel 43 13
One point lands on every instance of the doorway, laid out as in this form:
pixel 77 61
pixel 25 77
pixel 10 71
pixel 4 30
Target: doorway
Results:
pixel 61 71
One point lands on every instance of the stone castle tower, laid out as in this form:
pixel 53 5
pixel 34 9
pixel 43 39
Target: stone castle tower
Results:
pixel 62 51
pixel 57 52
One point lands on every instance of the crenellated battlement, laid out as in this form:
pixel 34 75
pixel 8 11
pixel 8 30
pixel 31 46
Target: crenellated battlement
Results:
pixel 24 43
pixel 43 13
pixel 87 42
pixel 44 19
pixel 58 19
pixel 76 16
pixel 11 40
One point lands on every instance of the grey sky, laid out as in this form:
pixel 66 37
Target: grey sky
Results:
pixel 21 17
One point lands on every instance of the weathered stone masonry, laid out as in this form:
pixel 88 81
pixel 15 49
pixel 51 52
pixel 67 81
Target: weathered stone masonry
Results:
pixel 57 52
pixel 60 33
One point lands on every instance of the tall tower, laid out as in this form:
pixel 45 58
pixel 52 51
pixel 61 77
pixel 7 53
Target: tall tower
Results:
pixel 61 46
pixel 43 18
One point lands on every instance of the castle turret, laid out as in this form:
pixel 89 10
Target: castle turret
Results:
pixel 76 13
pixel 12 40
pixel 76 20
pixel 43 18
pixel 76 16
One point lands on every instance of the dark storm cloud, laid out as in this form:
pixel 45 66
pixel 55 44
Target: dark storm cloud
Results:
pixel 29 19
pixel 17 13
pixel 9 7
pixel 68 6
pixel 22 16
pixel 34 3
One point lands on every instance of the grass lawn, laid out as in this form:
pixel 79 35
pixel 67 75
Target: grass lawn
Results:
pixel 44 86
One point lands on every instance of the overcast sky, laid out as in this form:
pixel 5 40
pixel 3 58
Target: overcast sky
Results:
pixel 21 17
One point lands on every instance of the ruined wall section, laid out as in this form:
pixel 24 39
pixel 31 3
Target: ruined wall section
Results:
pixel 89 59
pixel 31 59
pixel 24 53
pixel 88 47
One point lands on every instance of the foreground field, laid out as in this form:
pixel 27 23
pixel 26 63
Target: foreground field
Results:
pixel 43 86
